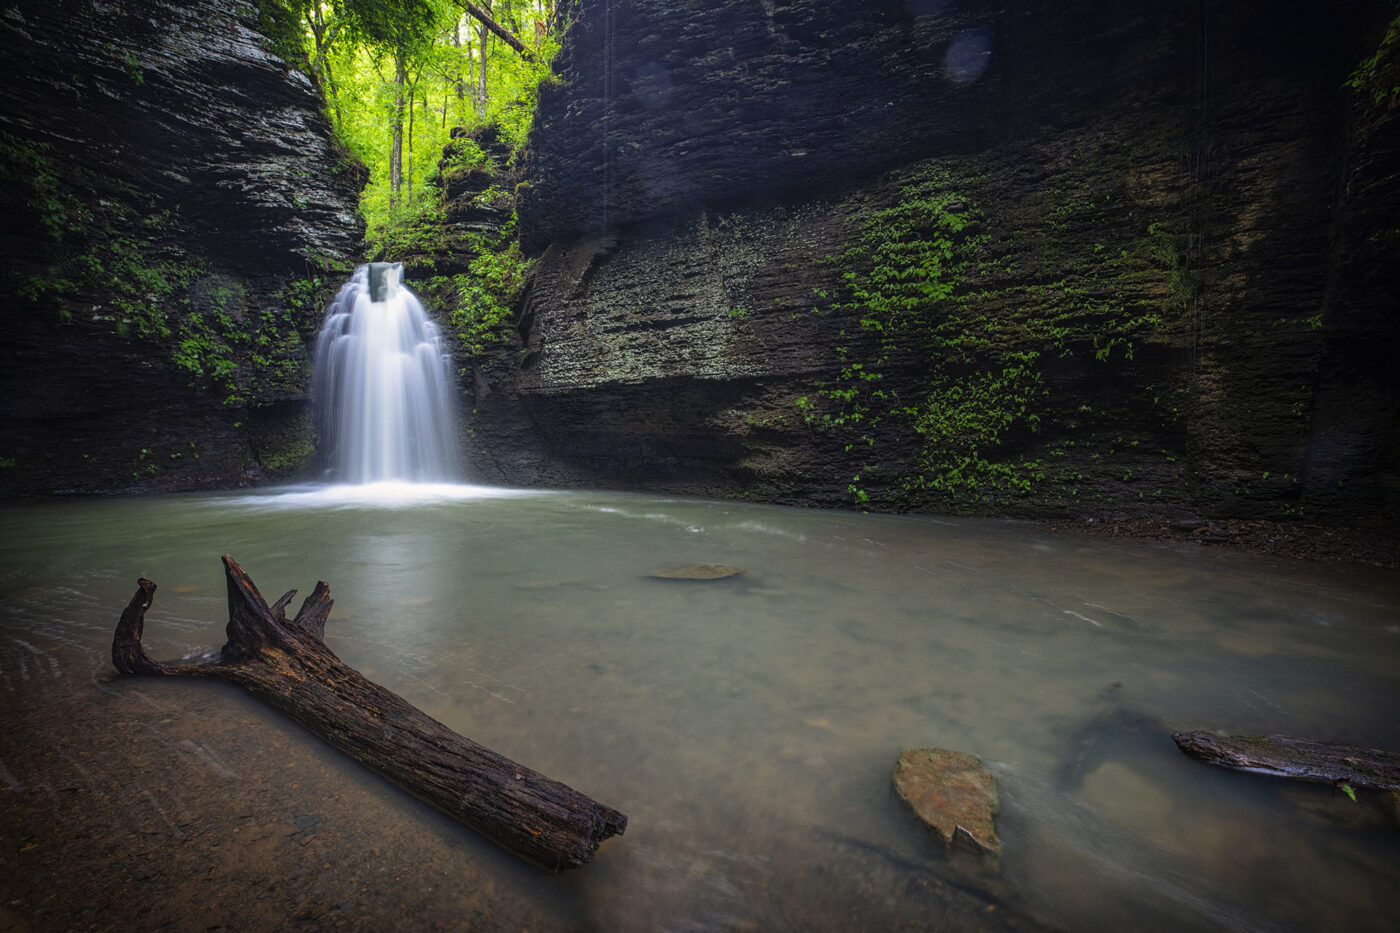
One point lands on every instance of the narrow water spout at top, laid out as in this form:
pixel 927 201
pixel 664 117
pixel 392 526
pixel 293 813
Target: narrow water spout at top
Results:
pixel 383 386
pixel 384 280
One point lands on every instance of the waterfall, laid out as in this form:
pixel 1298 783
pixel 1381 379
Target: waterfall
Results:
pixel 383 385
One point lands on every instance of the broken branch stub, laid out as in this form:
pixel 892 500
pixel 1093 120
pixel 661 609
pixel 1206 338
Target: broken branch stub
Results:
pixel 286 664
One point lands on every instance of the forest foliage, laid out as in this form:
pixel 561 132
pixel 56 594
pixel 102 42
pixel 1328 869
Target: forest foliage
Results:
pixel 399 75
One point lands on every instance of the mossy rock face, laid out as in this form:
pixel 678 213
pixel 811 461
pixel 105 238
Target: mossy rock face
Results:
pixel 283 439
pixel 217 293
pixel 1013 316
pixel 162 296
pixel 954 794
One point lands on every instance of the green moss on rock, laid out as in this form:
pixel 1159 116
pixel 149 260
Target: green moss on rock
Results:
pixel 952 339
pixel 283 439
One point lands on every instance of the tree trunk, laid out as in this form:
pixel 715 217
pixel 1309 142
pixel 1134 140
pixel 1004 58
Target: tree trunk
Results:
pixel 323 34
pixel 470 78
pixel 482 94
pixel 396 144
pixel 335 94
pixel 460 86
pixel 287 665
pixel 1296 759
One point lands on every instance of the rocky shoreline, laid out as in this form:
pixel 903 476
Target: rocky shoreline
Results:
pixel 1368 546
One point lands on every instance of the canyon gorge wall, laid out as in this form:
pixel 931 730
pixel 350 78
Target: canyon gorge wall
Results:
pixel 176 215
pixel 1032 259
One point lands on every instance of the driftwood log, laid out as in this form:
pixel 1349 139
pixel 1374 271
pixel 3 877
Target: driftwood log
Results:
pixel 286 664
pixel 1284 756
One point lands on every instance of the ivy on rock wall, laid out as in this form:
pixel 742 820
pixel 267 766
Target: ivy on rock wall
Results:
pixel 952 339
pixel 121 264
pixel 463 256
pixel 485 295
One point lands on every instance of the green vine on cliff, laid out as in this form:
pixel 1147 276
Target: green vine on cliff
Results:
pixel 950 336
pixel 117 263
pixel 482 298
pixel 154 293
pixel 133 278
pixel 902 262
pixel 1377 77
pixel 42 192
pixel 906 270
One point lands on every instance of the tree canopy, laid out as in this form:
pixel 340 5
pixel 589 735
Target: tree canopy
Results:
pixel 398 75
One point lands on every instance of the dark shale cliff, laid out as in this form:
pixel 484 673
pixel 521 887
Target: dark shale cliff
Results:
pixel 1034 259
pixel 1037 258
pixel 175 213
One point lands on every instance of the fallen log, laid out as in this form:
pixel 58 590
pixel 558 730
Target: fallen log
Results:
pixel 286 664
pixel 1284 756
pixel 485 19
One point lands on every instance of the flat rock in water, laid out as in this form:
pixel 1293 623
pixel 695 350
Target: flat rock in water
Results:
pixel 954 794
pixel 697 572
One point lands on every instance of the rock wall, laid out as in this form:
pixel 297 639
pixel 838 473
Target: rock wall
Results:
pixel 1047 258
pixel 176 214
pixel 664 105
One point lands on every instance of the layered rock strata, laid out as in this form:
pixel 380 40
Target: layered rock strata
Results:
pixel 1042 259
pixel 176 212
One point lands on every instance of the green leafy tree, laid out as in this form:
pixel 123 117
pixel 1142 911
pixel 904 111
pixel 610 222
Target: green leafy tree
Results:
pixel 403 31
pixel 397 75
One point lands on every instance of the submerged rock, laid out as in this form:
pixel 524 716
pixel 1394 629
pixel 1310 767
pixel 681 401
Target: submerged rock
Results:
pixel 563 583
pixel 954 794
pixel 697 572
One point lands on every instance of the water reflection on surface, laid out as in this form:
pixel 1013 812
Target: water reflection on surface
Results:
pixel 748 727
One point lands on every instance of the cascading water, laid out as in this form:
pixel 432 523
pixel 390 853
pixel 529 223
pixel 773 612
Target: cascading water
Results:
pixel 383 385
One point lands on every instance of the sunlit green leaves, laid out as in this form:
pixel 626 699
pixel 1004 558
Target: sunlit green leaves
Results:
pixel 487 292
pixel 424 66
